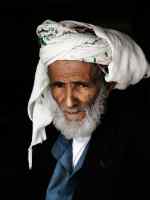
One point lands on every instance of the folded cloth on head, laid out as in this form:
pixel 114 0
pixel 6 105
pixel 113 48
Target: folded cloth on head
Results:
pixel 72 40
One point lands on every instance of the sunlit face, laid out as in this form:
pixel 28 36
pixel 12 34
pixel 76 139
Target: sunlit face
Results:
pixel 73 87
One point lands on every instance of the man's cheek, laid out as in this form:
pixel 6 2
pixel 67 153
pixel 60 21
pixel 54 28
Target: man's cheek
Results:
pixel 88 100
pixel 57 93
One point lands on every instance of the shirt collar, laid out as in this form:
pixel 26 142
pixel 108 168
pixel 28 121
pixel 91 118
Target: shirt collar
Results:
pixel 60 146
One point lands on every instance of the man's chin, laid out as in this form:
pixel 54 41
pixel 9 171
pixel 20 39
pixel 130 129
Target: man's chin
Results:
pixel 75 128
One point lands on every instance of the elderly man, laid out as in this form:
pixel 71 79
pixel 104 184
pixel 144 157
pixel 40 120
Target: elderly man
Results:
pixel 78 151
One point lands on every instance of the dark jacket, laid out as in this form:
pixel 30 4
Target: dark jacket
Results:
pixel 116 165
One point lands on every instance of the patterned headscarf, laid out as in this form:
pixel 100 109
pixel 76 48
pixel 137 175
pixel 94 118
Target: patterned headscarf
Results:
pixel 71 40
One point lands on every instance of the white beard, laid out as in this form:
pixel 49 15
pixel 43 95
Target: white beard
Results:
pixel 84 128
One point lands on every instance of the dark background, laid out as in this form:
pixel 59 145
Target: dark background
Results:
pixel 19 56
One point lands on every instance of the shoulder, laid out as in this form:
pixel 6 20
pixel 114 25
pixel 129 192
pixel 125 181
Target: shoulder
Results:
pixel 42 152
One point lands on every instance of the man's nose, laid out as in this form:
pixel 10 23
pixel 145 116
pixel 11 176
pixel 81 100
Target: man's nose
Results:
pixel 70 99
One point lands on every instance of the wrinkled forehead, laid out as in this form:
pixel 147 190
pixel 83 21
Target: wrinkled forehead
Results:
pixel 73 69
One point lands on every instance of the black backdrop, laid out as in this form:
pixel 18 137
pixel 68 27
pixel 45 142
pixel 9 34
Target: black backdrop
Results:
pixel 19 56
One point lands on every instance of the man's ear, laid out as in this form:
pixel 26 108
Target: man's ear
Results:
pixel 110 87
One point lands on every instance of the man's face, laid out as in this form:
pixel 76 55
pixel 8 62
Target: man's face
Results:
pixel 73 87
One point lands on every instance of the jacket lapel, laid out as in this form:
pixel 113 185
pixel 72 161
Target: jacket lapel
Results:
pixel 94 176
pixel 43 165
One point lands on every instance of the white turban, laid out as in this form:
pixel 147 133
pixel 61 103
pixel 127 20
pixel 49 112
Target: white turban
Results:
pixel 72 40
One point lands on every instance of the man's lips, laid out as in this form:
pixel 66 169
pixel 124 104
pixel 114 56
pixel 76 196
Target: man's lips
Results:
pixel 73 111
pixel 74 115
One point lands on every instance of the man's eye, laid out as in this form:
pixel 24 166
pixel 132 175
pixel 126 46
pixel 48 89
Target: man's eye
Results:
pixel 82 85
pixel 57 85
pixel 60 85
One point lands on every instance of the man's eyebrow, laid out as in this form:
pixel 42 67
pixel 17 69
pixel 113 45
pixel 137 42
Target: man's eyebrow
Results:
pixel 56 83
pixel 81 82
